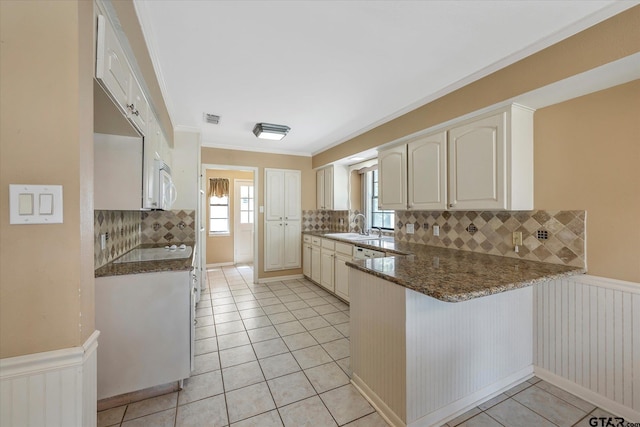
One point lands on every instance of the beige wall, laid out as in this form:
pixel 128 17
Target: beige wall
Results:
pixel 587 156
pixel 46 137
pixel 608 41
pixel 221 248
pixel 216 156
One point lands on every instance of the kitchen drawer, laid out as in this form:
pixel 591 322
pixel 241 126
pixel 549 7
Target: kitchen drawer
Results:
pixel 316 241
pixel 344 248
pixel 328 244
pixel 306 238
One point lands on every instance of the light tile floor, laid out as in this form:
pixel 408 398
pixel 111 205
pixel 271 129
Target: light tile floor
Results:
pixel 277 354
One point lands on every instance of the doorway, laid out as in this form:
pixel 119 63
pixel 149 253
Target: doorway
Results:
pixel 238 243
pixel 243 221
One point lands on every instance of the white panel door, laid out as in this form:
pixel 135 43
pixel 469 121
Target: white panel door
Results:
pixel 292 244
pixel 477 162
pixel 427 162
pixel 243 221
pixel 392 180
pixel 274 194
pixel 292 195
pixel 274 245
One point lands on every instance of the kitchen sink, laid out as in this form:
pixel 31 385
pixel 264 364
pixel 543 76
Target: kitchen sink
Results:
pixel 356 236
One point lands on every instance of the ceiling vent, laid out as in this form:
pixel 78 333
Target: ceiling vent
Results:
pixel 211 119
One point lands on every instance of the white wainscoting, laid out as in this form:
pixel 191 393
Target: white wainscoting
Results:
pixel 587 340
pixel 53 388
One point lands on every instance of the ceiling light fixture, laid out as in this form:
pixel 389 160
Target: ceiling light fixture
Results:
pixel 270 131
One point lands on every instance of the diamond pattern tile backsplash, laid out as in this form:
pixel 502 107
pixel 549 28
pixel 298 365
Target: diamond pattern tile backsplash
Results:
pixel 123 228
pixel 168 226
pixel 557 237
pixel 128 229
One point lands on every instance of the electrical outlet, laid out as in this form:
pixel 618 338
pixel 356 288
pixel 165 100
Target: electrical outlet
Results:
pixel 436 230
pixel 517 238
pixel 410 229
pixel 103 242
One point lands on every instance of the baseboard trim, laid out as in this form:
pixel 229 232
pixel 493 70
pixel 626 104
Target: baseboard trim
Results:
pixel 136 396
pixel 385 412
pixel 629 414
pixel 219 264
pixel 280 278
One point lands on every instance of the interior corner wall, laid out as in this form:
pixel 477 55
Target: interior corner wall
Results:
pixel 46 137
pixel 221 249
pixel 219 156
pixel 586 156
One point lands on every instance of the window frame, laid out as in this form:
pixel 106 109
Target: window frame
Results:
pixel 228 219
pixel 368 202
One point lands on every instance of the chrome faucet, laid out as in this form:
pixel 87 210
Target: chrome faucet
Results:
pixel 379 232
pixel 363 230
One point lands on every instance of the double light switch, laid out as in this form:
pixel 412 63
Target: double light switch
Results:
pixel 35 204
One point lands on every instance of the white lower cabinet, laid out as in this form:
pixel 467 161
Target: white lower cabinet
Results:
pixel 327 253
pixel 324 262
pixel 315 259
pixel 146 330
pixel 343 254
pixel 306 256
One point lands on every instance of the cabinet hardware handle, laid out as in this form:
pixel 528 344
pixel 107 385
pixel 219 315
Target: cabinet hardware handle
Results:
pixel 451 205
pixel 135 113
pixel 195 321
pixel 280 224
pixel 130 107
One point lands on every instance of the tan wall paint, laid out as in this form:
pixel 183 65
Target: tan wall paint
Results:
pixel 46 135
pixel 221 248
pixel 587 156
pixel 217 156
pixel 605 42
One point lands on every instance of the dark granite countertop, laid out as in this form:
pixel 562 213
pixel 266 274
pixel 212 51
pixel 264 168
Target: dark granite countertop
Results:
pixel 112 269
pixel 452 275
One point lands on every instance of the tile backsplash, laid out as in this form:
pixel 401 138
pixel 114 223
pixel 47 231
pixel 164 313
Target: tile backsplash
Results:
pixel 557 237
pixel 123 229
pixel 128 229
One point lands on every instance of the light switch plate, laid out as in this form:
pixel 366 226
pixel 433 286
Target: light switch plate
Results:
pixel 35 204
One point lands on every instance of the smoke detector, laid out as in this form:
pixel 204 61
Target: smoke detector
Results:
pixel 211 119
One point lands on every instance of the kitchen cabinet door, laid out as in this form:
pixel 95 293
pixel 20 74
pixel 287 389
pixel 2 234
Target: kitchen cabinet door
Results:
pixel 274 245
pixel 392 181
pixel 292 245
pixel 326 268
pixel 341 280
pixel 477 162
pixel 315 263
pixel 306 260
pixel 292 196
pixel 427 172
pixel 274 195
pixel 138 107
pixel 151 152
pixel 320 194
pixel 112 69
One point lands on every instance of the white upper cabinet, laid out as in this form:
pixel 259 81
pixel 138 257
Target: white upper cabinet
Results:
pixel 491 162
pixel 332 188
pixel 292 195
pixel 486 164
pixel 274 195
pixel 427 174
pixel 138 107
pixel 112 68
pixel 392 178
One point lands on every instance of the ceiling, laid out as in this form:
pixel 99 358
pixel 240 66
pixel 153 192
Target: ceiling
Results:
pixel 332 70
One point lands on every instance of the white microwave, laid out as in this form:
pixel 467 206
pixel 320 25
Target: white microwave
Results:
pixel 167 193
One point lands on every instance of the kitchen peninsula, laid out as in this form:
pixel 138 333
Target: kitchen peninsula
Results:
pixel 439 331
